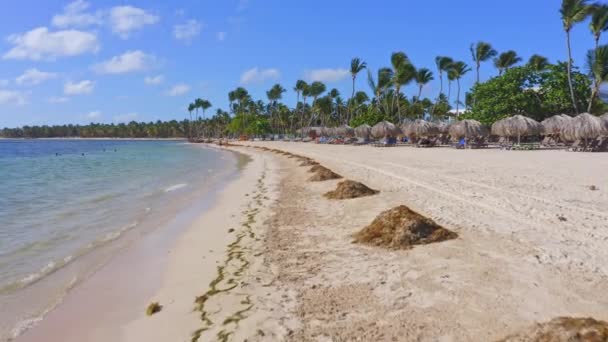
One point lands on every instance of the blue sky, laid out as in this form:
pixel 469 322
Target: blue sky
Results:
pixel 117 60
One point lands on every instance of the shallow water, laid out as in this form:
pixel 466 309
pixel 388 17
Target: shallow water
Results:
pixel 66 206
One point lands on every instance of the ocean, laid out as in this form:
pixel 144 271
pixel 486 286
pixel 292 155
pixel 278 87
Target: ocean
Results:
pixel 68 206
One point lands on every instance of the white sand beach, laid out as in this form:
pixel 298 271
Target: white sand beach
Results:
pixel 274 260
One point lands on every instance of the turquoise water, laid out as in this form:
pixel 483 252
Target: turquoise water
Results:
pixel 60 200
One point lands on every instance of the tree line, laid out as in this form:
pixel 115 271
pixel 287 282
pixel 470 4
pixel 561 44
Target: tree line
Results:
pixel 537 88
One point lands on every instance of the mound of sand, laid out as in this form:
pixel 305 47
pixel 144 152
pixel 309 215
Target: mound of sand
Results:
pixel 323 174
pixel 308 162
pixel 564 329
pixel 402 228
pixel 350 189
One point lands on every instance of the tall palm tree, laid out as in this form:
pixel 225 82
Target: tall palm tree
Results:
pixel 379 86
pixel 274 94
pixel 597 62
pixel 506 60
pixel 191 108
pixel 599 22
pixel 458 70
pixel 204 105
pixel 402 76
pixel 333 95
pixel 356 66
pixel 538 62
pixel 299 88
pixel 573 12
pixel 443 65
pixel 423 77
pixel 481 52
pixel 316 89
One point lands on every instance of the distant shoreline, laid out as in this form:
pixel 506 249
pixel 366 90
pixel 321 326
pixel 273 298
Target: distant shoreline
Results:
pixel 78 138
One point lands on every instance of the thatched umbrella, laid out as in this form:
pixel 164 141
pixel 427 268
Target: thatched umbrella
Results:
pixel 604 119
pixel 517 126
pixel 363 131
pixel 420 128
pixel 385 129
pixel 584 127
pixel 556 124
pixel 345 131
pixel 467 129
pixel 443 127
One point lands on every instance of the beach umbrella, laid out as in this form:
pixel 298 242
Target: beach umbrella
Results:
pixel 584 127
pixel 556 124
pixel 363 131
pixel 604 119
pixel 420 128
pixel 467 129
pixel 345 131
pixel 443 127
pixel 517 126
pixel 385 129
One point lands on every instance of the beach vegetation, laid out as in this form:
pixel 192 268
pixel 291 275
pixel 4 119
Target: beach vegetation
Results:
pixel 153 308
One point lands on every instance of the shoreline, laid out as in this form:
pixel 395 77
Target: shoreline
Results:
pixel 273 259
pixel 114 287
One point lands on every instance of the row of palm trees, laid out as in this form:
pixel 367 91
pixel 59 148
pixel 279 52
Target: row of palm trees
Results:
pixel 387 83
pixel 195 106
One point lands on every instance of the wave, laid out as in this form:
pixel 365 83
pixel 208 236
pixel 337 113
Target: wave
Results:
pixel 175 187
pixel 53 266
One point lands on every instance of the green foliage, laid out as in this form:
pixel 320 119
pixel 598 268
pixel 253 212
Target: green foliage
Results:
pixel 370 117
pixel 524 90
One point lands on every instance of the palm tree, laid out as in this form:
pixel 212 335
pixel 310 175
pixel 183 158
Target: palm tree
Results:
pixel 458 70
pixel 204 105
pixel 316 89
pixel 443 65
pixel 506 60
pixel 299 88
pixel 356 66
pixel 573 12
pixel 599 22
pixel 597 62
pixel 191 108
pixel 274 94
pixel 403 73
pixel 423 77
pixel 481 52
pixel 538 62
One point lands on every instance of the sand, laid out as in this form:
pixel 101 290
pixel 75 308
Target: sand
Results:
pixel 531 246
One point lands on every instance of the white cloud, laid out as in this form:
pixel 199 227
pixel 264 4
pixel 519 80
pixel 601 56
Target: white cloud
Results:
pixel 257 75
pixel 34 76
pixel 178 89
pixel 74 16
pixel 4 83
pixel 11 97
pixel 80 88
pixel 154 80
pixel 130 61
pixel 94 115
pixel 221 36
pixel 126 19
pixel 40 43
pixel 125 117
pixel 58 99
pixel 187 31
pixel 327 75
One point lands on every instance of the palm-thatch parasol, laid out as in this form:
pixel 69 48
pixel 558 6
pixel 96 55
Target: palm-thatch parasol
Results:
pixel 517 126
pixel 556 124
pixel 604 119
pixel 467 129
pixel 385 129
pixel 420 128
pixel 345 131
pixel 363 131
pixel 443 127
pixel 584 127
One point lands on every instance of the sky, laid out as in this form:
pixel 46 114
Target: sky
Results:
pixel 120 60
